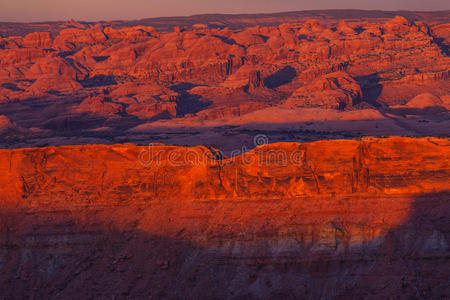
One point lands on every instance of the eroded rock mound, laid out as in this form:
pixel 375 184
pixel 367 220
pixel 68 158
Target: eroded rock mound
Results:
pixel 55 85
pixel 54 67
pixel 423 101
pixel 336 91
pixel 38 40
pixel 5 123
pixel 100 105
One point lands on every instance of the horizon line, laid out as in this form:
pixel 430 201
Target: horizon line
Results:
pixel 223 14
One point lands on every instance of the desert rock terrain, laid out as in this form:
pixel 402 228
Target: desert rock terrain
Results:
pixel 299 155
pixel 193 85
pixel 330 219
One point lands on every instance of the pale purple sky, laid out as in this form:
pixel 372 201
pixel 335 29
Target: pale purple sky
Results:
pixel 95 10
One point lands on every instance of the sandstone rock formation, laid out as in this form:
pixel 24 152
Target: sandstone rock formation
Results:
pixel 99 105
pixel 38 40
pixel 54 66
pixel 336 91
pixel 284 220
pixel 215 76
pixel 5 123
pixel 216 54
pixel 423 101
pixel 347 216
pixel 42 86
pixel 255 81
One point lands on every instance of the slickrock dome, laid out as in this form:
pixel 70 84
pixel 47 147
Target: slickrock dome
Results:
pixel 54 84
pixel 424 100
pixel 336 91
pixel 38 40
pixel 5 123
pixel 54 66
pixel 398 24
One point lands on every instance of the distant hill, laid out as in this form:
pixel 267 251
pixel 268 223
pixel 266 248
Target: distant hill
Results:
pixel 233 21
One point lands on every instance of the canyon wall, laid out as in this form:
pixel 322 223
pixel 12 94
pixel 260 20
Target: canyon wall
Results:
pixel 329 219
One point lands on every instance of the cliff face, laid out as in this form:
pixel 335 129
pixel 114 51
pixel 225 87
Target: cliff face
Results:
pixel 114 174
pixel 328 219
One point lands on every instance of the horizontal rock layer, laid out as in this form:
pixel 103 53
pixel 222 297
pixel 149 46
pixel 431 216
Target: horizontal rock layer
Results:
pixel 328 219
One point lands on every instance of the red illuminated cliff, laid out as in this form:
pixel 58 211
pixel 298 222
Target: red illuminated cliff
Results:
pixel 300 155
pixel 327 219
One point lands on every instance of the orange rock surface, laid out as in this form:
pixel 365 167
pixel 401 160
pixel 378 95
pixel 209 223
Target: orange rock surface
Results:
pixel 275 178
pixel 398 50
pixel 335 90
pixel 160 82
pixel 327 219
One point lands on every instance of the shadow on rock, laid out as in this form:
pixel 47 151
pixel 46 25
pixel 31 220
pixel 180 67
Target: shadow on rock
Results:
pixel 121 252
pixel 283 76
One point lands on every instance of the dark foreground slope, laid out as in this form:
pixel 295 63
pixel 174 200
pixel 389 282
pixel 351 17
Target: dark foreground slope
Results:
pixel 330 219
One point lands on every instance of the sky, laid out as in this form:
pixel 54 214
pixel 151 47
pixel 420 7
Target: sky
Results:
pixel 96 10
